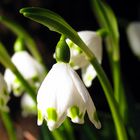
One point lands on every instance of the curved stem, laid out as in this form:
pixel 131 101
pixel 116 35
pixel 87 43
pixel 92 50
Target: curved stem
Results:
pixel 57 135
pixel 119 92
pixel 8 125
pixel 30 90
pixel 69 129
pixel 114 108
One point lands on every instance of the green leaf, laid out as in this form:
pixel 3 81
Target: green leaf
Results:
pixel 55 23
pixel 5 58
pixel 106 17
pixel 49 19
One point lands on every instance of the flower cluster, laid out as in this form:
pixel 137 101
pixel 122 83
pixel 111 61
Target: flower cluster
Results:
pixel 31 70
pixel 62 93
pixel 78 58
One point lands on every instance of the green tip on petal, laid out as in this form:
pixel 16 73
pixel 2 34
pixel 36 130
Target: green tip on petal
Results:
pixel 74 112
pixel 95 117
pixel 97 122
pixel 75 115
pixel 2 102
pixel 40 117
pixel 35 79
pixel 52 114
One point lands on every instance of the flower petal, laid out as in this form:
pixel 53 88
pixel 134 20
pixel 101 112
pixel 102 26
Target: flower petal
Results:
pixel 28 105
pixel 9 78
pixel 133 34
pixel 26 64
pixel 88 74
pixel 55 92
pixel 91 110
pixel 76 115
pixel 79 85
pixel 93 41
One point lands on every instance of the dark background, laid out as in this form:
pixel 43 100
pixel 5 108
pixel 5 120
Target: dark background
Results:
pixel 79 15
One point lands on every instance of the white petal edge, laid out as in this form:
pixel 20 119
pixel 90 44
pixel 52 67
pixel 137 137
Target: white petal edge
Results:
pixel 93 41
pixel 79 85
pixel 91 110
pixel 88 74
pixel 133 34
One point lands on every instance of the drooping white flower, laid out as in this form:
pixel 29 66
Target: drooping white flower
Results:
pixel 78 58
pixel 62 94
pixel 31 70
pixel 4 95
pixel 133 33
pixel 28 105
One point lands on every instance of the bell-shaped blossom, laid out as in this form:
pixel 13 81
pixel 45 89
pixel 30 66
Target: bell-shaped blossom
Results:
pixel 31 70
pixel 4 95
pixel 78 58
pixel 28 105
pixel 61 94
pixel 133 34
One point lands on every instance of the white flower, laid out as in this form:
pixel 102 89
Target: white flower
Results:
pixel 78 58
pixel 4 95
pixel 62 94
pixel 30 69
pixel 28 105
pixel 133 33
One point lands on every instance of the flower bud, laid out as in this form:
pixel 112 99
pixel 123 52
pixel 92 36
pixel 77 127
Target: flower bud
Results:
pixel 62 52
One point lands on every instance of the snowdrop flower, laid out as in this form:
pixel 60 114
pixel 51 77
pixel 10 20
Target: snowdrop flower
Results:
pixel 62 94
pixel 133 33
pixel 4 96
pixel 30 69
pixel 28 105
pixel 78 58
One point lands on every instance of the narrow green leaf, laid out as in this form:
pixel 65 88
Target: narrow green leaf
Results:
pixel 55 23
pixel 5 58
pixel 49 19
pixel 106 17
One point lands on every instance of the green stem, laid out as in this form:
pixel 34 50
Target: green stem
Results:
pixel 8 125
pixel 69 129
pixel 119 93
pixel 30 90
pixel 45 132
pixel 57 135
pixel 19 31
pixel 120 128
